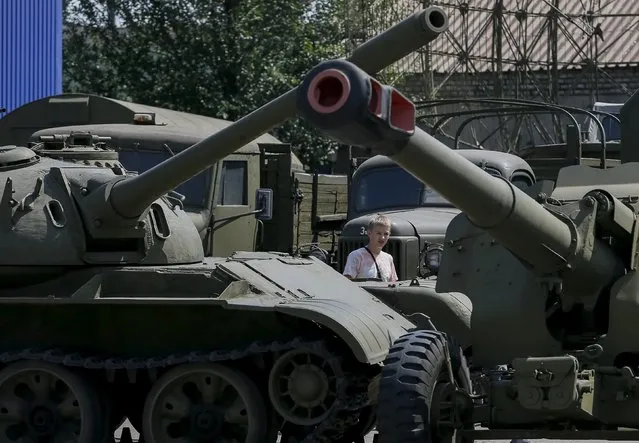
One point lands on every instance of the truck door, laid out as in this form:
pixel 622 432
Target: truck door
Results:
pixel 233 226
pixel 276 162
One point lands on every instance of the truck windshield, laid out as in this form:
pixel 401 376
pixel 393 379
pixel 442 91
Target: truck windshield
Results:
pixel 194 190
pixel 611 128
pixel 393 188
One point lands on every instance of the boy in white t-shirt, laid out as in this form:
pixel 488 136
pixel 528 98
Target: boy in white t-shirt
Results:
pixel 370 261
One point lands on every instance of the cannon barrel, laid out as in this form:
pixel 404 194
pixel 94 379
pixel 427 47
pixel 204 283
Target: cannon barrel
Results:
pixel 130 197
pixel 350 106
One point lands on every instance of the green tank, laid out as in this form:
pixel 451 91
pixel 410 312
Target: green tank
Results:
pixel 550 272
pixel 110 309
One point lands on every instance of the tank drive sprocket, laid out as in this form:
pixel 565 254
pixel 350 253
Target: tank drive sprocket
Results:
pixel 303 385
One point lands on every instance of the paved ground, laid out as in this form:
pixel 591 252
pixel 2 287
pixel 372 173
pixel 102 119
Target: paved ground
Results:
pixel 369 439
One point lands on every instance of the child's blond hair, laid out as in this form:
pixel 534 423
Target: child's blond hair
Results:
pixel 379 220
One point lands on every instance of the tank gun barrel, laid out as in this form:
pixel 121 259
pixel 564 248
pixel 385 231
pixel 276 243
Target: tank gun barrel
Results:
pixel 353 108
pixel 130 197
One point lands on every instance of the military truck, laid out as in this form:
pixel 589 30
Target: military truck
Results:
pixel 589 137
pixel 220 199
pixel 419 214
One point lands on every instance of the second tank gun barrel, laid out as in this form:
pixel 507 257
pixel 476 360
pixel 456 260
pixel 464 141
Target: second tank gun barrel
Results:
pixel 354 108
pixel 130 197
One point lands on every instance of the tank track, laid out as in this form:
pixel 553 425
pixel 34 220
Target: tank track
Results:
pixel 352 390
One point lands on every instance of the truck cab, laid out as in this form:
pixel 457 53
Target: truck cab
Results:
pixel 419 214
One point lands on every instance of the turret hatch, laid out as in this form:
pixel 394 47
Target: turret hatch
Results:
pixel 12 157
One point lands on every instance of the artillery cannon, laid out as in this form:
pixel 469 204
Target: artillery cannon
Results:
pixel 110 309
pixel 551 273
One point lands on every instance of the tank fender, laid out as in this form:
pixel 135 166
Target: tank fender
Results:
pixel 450 312
pixel 368 329
pixel 368 333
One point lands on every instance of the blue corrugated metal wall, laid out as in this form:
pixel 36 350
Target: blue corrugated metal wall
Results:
pixel 30 51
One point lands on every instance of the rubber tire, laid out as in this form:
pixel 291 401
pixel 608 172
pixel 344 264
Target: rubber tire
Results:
pixel 406 387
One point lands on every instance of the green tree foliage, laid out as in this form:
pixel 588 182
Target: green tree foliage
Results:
pixel 221 58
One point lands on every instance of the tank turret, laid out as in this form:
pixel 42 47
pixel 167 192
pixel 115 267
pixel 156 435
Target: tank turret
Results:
pixel 69 213
pixel 554 241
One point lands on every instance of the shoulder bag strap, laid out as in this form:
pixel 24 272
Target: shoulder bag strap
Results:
pixel 379 274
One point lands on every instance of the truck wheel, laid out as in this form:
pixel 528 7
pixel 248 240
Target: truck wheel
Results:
pixel 415 392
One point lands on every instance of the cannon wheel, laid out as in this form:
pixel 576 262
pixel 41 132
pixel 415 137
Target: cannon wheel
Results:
pixel 416 393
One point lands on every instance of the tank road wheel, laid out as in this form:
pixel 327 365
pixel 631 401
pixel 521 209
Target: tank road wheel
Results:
pixel 302 386
pixel 416 395
pixel 202 403
pixel 43 402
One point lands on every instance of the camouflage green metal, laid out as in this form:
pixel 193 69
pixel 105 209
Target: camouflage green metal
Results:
pixel 550 272
pixel 109 307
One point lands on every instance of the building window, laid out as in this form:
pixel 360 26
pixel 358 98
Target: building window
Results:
pixel 233 183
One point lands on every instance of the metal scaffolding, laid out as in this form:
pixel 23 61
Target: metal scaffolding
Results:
pixel 512 49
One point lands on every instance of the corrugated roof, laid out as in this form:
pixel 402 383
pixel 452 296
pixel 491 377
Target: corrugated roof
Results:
pixel 527 40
